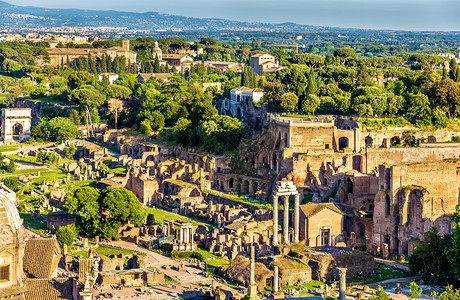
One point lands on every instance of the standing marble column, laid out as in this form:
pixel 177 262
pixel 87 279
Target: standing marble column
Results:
pixel 275 279
pixel 252 288
pixel 286 220
pixel 296 218
pixel 342 283
pixel 275 220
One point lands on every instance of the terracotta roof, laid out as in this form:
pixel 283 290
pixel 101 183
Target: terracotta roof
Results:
pixel 267 62
pixel 274 69
pixel 49 289
pixel 174 56
pixel 85 265
pixel 12 292
pixel 311 209
pixel 260 54
pixel 146 76
pixel 41 257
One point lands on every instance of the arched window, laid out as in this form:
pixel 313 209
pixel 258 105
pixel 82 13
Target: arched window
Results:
pixel 387 205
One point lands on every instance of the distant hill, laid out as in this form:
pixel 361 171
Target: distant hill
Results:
pixel 41 19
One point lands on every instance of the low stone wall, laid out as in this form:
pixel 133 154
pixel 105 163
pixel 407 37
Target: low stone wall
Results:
pixel 324 267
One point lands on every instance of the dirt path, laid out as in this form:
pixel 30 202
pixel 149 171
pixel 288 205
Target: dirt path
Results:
pixel 190 279
pixel 391 264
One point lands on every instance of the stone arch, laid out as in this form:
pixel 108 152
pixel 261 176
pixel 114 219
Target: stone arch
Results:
pixel 254 187
pixel 431 139
pixel 16 121
pixel 387 240
pixel 361 230
pixel 286 142
pixel 415 208
pixel 278 141
pixel 358 163
pixel 387 205
pixel 368 141
pixel 274 162
pixel 343 143
pixel 231 183
pixel 239 181
pixel 245 186
pixel 395 141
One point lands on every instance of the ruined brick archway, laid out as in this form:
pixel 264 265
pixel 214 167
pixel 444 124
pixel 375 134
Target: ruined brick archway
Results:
pixel 343 143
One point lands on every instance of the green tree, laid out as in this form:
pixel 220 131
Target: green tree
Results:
pixel 289 101
pixel 86 203
pixel 430 258
pixel 379 294
pixel 144 127
pixel 11 167
pixel 70 150
pixel 312 86
pixel 446 94
pixel 415 291
pixel 310 104
pixel 449 294
pixel 65 235
pixel 453 70
pixel 11 182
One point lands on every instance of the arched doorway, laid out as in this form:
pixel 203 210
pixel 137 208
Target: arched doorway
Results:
pixel 343 143
pixel 368 141
pixel 255 187
pixel 275 162
pixel 245 187
pixel 395 141
pixel 230 183
pixel 415 208
pixel 358 163
pixel 17 131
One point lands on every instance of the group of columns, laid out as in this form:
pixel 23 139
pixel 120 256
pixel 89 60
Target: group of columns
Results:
pixel 186 234
pixel 286 217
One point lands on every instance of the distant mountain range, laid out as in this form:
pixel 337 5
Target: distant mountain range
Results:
pixel 28 18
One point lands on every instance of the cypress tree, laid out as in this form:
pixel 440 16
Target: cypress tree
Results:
pixel 156 67
pixel 149 67
pixel 167 67
pixel 453 69
pixel 109 63
pixel 143 67
pixel 68 65
pixel 91 64
pixel 104 65
pixel 444 73
pixel 311 83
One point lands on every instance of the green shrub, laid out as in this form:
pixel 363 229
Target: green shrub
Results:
pixel 66 234
pixel 11 182
pixel 181 254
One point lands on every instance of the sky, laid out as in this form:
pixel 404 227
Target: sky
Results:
pixel 422 15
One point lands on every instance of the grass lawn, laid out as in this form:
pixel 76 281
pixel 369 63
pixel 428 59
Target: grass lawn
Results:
pixel 161 215
pixel 296 116
pixel 249 199
pixel 8 148
pixel 213 260
pixel 32 223
pixel 119 170
pixel 382 272
pixel 106 251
